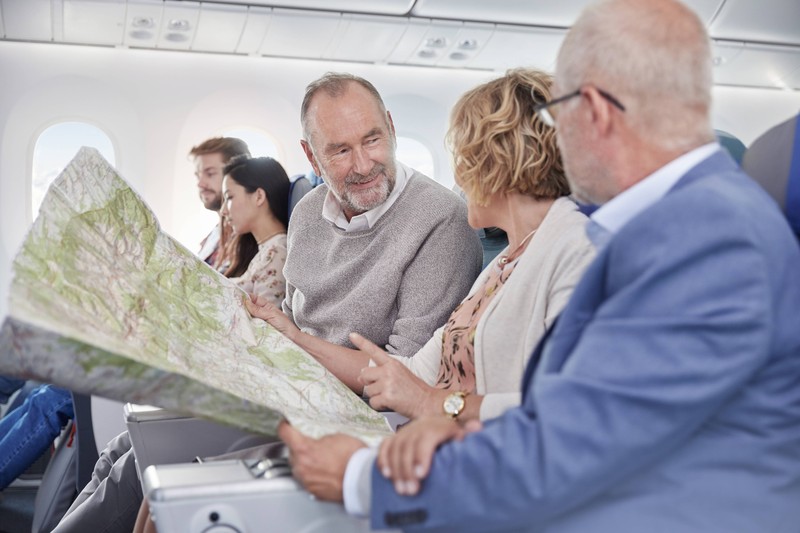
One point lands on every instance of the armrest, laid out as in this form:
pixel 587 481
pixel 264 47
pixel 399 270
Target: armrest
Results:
pixel 160 436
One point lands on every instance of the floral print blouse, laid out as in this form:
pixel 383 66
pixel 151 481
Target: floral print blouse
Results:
pixel 457 371
pixel 264 275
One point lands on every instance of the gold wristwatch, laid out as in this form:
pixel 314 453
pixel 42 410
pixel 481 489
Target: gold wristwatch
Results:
pixel 454 404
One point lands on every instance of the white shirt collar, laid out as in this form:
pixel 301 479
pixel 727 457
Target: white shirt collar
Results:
pixel 332 210
pixel 210 243
pixel 615 213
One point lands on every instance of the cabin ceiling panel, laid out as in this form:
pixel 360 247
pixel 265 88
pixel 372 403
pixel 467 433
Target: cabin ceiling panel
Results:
pixel 255 28
pixel 382 7
pixel 94 22
pixel 178 25
pixel 536 12
pixel 705 9
pixel 143 22
pixel 416 31
pixel 533 12
pixel 451 44
pixel 472 38
pixel 303 34
pixel 366 38
pixel 755 65
pixel 219 28
pixel 514 46
pixel 766 21
pixel 2 26
pixel 435 43
pixel 30 20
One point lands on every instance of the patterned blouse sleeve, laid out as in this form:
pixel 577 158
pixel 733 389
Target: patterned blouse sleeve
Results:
pixel 264 276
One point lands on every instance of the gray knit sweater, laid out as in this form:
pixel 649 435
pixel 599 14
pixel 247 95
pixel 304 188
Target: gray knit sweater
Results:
pixel 394 283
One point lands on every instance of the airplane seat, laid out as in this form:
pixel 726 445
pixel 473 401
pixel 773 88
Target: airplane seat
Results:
pixel 493 241
pixel 17 398
pixel 732 144
pixel 58 487
pixel 69 470
pixel 300 185
pixel 87 448
pixel 773 160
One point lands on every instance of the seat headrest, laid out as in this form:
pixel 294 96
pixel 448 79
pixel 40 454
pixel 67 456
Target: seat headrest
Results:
pixel 773 160
pixel 732 144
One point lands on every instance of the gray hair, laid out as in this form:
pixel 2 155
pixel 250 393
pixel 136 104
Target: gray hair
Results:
pixel 655 57
pixel 334 84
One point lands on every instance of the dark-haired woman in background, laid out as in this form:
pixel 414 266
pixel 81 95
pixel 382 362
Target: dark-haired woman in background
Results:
pixel 256 193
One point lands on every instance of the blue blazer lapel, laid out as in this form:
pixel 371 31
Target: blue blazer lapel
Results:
pixel 533 361
pixel 555 345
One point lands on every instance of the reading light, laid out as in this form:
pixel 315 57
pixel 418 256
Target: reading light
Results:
pixel 142 22
pixel 178 25
pixel 468 44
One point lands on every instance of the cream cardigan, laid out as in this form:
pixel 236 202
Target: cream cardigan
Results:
pixel 520 313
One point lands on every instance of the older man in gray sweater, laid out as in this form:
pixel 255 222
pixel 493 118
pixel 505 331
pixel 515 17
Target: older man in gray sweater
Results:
pixel 381 250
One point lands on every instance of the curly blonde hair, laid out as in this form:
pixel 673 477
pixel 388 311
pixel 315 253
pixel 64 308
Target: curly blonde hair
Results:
pixel 499 145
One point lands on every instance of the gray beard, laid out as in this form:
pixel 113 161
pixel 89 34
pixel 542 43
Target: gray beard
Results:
pixel 353 203
pixel 356 202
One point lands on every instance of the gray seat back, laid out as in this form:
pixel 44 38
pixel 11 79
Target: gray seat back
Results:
pixel 773 160
pixel 58 487
pixel 69 470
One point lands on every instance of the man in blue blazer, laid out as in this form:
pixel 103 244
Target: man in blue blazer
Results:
pixel 667 396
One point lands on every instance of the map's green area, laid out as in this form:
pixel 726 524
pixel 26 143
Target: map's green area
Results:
pixel 104 302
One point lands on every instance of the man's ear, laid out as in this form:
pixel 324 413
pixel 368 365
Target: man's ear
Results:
pixel 600 109
pixel 390 122
pixel 310 156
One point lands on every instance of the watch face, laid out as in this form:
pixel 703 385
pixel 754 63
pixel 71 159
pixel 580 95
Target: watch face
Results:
pixel 453 404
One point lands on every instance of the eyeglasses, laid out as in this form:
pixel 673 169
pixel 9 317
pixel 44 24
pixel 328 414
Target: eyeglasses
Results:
pixel 547 115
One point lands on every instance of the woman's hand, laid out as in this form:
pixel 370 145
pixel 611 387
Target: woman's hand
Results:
pixel 406 457
pixel 261 308
pixel 391 386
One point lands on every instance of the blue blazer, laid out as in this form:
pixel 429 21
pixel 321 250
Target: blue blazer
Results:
pixel 665 399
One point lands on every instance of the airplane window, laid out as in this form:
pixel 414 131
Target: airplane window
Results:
pixel 55 148
pixel 416 155
pixel 260 144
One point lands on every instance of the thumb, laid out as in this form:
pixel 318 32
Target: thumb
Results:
pixel 473 426
pixel 252 307
pixel 378 356
pixel 291 436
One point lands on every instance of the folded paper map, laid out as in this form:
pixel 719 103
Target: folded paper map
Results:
pixel 103 302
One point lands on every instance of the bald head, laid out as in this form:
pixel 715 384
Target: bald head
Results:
pixel 654 56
